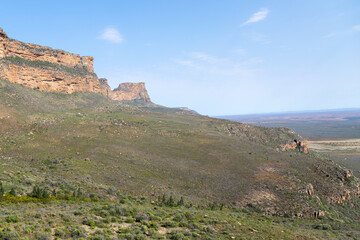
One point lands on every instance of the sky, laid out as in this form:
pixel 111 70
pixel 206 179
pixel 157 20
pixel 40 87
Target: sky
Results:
pixel 218 57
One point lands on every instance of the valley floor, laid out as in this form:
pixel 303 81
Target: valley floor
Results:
pixel 344 151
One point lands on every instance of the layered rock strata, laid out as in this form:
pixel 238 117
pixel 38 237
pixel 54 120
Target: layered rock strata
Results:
pixel 54 70
pixel 130 92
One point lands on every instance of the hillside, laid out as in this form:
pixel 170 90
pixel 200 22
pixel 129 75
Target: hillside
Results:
pixel 152 153
pixel 67 140
pixel 63 143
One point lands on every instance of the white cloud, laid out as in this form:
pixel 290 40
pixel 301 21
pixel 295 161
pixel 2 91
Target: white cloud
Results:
pixel 112 35
pixel 205 57
pixel 356 28
pixel 240 51
pixel 258 16
pixel 331 35
pixel 205 63
pixel 187 63
pixel 257 37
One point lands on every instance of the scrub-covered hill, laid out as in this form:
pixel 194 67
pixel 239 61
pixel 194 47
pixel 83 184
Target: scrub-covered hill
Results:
pixel 83 166
pixel 86 140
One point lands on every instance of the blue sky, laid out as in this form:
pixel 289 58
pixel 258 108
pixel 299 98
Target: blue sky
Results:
pixel 217 57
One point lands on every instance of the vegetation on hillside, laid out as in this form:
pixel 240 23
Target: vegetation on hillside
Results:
pixel 77 70
pixel 194 177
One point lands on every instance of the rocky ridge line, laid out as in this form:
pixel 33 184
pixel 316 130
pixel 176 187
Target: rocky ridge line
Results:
pixel 54 70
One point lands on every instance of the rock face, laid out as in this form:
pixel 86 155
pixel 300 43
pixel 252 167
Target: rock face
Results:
pixel 105 86
pixel 130 91
pixel 45 68
pixel 300 146
pixel 53 70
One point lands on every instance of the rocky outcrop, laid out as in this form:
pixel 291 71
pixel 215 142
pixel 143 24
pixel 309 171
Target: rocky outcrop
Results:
pixel 49 79
pixel 300 146
pixel 130 92
pixel 53 70
pixel 309 189
pixel 13 48
pixel 105 86
pixel 45 68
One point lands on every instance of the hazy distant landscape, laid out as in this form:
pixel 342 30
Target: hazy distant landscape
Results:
pixel 106 127
pixel 316 125
pixel 335 133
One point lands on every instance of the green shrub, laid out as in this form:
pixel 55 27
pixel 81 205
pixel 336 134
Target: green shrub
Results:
pixel 9 235
pixel 12 219
pixel 169 224
pixel 40 193
pixel 59 232
pixel 153 225
pixel 76 233
pixel 129 220
pixel 177 218
pixel 28 230
pixel 140 217
pixel 89 222
pixel 176 235
pixel 2 191
pixel 43 236
pixel 322 227
pixel 12 192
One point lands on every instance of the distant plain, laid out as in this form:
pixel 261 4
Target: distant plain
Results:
pixel 335 133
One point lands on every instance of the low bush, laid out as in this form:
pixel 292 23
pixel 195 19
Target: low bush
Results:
pixel 12 219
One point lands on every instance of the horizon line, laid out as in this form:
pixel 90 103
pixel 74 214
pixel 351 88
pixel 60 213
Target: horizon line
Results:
pixel 292 112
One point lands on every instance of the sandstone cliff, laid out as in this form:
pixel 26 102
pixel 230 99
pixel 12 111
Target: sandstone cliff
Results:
pixel 59 71
pixel 129 92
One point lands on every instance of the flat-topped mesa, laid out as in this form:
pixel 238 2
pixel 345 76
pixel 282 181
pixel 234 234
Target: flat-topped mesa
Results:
pixel 47 69
pixel 130 92
pixel 53 70
pixel 12 48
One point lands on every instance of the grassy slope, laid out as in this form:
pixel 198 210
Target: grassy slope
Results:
pixel 85 140
pixel 137 219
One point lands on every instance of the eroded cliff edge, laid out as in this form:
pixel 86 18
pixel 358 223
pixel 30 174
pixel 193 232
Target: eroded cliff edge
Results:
pixel 54 70
pixel 130 92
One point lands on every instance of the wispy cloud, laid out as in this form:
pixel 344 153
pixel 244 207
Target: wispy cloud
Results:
pixel 205 57
pixel 206 63
pixel 111 34
pixel 333 34
pixel 258 16
pixel 187 63
pixel 356 28
pixel 353 29
pixel 257 37
pixel 240 51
